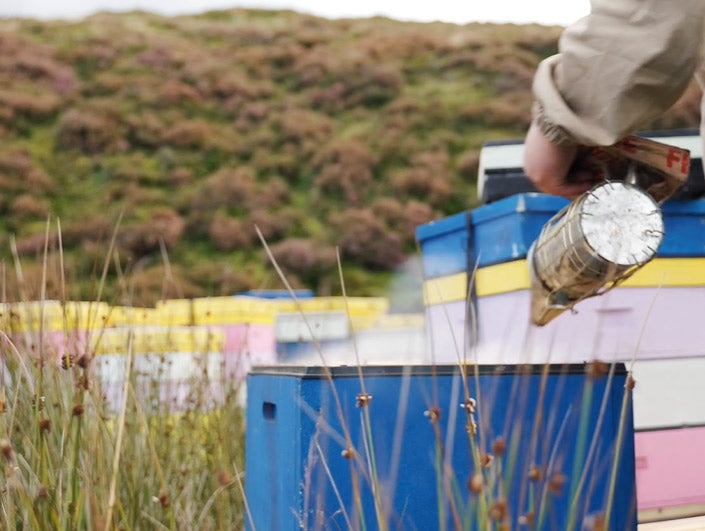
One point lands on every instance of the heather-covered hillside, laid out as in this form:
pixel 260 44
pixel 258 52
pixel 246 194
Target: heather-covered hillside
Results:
pixel 181 134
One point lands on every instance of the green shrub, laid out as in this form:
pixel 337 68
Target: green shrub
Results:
pixel 89 130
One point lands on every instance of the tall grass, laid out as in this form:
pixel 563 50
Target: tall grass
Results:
pixel 71 462
pixel 66 467
pixel 78 453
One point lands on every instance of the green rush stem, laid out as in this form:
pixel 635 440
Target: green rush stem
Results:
pixel 333 486
pixel 545 499
pixel 439 488
pixel 512 459
pixel 9 509
pixel 356 496
pixel 381 522
pixel 55 521
pixel 73 501
pixel 28 502
pixel 593 443
pixel 482 500
pixel 44 476
pixel 452 501
pixel 38 457
pixel 78 512
pixel 40 380
pixel 467 518
pixel 7 502
pixel 150 435
pixel 498 478
pixel 618 449
pixel 538 419
pixel 443 487
pixel 457 496
pixel 578 461
pixel 492 481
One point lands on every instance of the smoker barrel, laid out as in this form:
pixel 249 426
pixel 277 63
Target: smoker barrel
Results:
pixel 595 241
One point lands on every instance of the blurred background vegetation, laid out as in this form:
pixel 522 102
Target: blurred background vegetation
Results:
pixel 194 129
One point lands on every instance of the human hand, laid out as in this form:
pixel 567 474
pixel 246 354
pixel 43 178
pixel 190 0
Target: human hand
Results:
pixel 547 166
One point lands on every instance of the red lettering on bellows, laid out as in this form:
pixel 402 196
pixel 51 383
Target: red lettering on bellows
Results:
pixel 672 157
pixel 685 163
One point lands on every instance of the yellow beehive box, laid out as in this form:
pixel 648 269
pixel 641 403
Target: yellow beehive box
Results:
pixel 31 316
pixel 175 312
pixel 110 341
pixel 317 305
pixel 364 306
pixel 219 310
pixel 257 311
pixel 355 306
pixel 387 322
pixel 160 340
pixel 86 315
pixel 130 316
pixel 216 311
pixel 285 305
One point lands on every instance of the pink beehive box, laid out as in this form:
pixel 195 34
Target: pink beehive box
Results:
pixel 670 471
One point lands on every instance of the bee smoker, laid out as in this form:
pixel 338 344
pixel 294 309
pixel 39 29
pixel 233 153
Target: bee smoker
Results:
pixel 591 245
pixel 609 232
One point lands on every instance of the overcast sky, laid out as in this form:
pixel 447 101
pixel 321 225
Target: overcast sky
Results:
pixel 459 11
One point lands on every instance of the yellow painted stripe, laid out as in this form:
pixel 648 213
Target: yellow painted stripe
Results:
pixel 502 278
pixel 443 290
pixel 514 276
pixel 669 272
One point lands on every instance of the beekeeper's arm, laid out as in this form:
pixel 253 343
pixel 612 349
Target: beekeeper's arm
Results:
pixel 617 69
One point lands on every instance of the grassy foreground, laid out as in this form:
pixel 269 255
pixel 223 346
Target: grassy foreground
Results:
pixel 74 460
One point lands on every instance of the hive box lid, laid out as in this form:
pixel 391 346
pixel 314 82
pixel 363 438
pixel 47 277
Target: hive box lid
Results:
pixel 442 226
pixel 528 202
pixel 315 372
pixel 520 203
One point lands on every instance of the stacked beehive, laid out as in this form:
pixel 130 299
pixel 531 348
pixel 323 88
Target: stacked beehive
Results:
pixel 207 341
pixel 247 325
pixel 172 367
pixel 481 313
pixel 52 329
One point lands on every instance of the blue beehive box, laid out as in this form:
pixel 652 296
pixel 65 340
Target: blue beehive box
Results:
pixel 504 231
pixel 684 223
pixel 491 234
pixel 445 245
pixel 315 459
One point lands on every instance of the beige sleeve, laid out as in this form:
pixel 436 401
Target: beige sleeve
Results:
pixel 618 69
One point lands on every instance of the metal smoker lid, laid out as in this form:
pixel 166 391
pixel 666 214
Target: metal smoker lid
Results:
pixel 622 223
